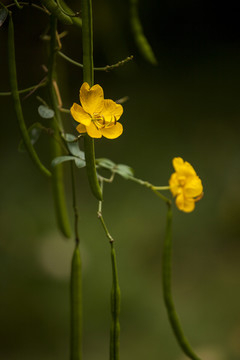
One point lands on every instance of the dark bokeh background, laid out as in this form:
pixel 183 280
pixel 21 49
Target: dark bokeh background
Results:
pixel 186 106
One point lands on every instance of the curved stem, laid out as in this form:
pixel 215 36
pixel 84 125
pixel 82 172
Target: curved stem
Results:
pixel 88 76
pixel 16 99
pixel 167 292
pixel 70 13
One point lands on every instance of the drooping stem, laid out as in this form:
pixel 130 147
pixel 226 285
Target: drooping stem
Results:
pixel 56 123
pixel 88 76
pixel 167 290
pixel 16 99
pixel 76 306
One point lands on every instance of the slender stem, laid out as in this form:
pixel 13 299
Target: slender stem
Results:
pixel 167 292
pixel 17 4
pixel 76 306
pixel 27 4
pixel 100 215
pixel 103 68
pixel 58 177
pixel 23 91
pixel 16 99
pixel 115 292
pixel 155 189
pixel 87 42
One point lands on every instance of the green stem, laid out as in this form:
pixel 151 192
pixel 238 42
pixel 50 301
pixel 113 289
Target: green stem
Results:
pixel 56 123
pixel 28 4
pixel 167 292
pixel 103 68
pixel 23 91
pixel 88 76
pixel 76 306
pixel 16 99
pixel 115 309
pixel 17 4
pixel 152 187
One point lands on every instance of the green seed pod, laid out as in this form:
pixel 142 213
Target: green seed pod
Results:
pixel 115 310
pixel 16 99
pixel 76 306
pixel 140 39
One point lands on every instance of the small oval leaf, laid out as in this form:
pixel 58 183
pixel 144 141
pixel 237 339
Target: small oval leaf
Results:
pixel 45 112
pixel 105 163
pixel 80 163
pixel 3 15
pixel 73 147
pixel 60 159
pixel 124 170
pixel 34 132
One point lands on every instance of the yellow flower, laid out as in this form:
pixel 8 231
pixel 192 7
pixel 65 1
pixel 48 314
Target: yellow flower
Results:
pixel 185 185
pixel 97 116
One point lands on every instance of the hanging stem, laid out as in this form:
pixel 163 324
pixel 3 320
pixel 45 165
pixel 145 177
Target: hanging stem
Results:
pixel 16 99
pixel 167 292
pixel 87 41
pixel 56 123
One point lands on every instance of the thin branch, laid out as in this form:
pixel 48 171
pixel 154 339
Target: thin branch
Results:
pixel 105 68
pixel 23 91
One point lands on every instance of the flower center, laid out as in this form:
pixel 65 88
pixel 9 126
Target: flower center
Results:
pixel 181 181
pixel 100 122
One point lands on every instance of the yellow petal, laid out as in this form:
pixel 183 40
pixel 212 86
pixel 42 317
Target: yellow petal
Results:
pixel 91 98
pixel 174 184
pixel 183 168
pixel 93 131
pixel 193 187
pixel 112 132
pixel 80 115
pixel 185 204
pixel 111 110
pixel 81 128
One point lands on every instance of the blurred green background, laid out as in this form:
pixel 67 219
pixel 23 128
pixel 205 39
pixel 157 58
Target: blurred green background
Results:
pixel 187 106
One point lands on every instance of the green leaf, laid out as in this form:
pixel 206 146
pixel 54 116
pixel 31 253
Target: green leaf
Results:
pixel 3 15
pixel 34 132
pixel 73 146
pixel 106 163
pixel 60 159
pixel 80 163
pixel 123 170
pixel 45 112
